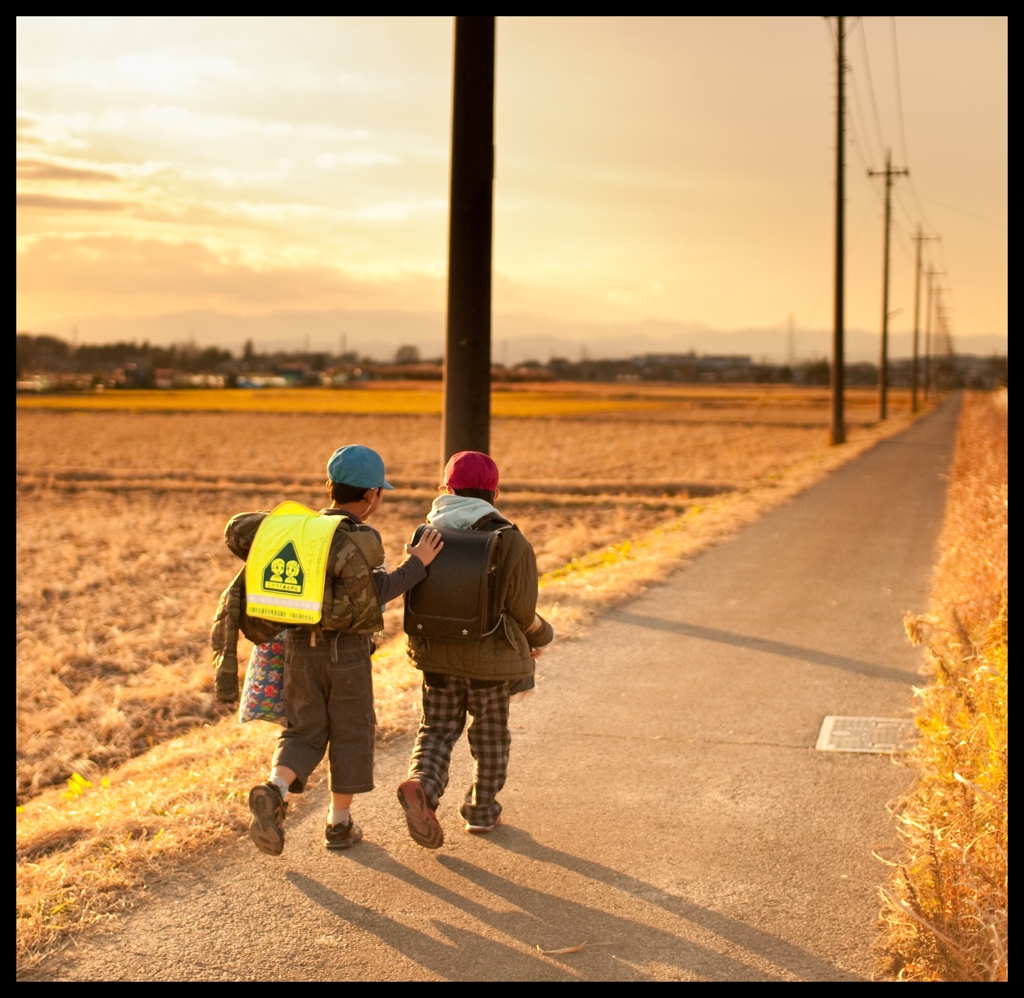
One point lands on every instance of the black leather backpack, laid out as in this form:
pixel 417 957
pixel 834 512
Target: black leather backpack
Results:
pixel 456 601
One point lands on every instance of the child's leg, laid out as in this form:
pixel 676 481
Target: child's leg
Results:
pixel 441 724
pixel 301 745
pixel 489 741
pixel 283 777
pixel 338 812
pixel 351 718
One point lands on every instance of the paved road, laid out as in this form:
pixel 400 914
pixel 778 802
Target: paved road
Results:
pixel 665 800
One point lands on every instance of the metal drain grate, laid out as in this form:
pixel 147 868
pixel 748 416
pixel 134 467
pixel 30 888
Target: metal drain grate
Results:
pixel 865 734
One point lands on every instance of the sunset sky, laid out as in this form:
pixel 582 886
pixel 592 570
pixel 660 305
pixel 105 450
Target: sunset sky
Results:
pixel 678 170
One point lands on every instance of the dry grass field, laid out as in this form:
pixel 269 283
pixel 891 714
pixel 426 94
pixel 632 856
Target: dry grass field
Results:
pixel 116 595
pixel 946 905
pixel 121 561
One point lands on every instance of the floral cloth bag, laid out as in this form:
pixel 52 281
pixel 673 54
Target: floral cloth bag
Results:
pixel 263 695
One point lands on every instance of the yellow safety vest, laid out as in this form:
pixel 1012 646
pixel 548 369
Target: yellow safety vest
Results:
pixel 287 565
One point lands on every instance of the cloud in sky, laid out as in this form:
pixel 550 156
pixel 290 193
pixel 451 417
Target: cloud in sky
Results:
pixel 667 169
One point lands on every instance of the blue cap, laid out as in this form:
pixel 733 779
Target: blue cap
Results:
pixel 359 466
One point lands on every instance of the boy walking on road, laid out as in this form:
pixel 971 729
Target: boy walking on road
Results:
pixel 477 678
pixel 329 567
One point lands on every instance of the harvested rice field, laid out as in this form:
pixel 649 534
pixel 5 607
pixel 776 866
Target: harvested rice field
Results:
pixel 120 516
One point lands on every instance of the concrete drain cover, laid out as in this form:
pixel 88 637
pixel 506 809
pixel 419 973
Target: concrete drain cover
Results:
pixel 865 734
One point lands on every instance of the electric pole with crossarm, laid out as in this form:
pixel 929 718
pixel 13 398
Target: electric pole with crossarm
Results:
pixel 883 363
pixel 920 238
pixel 932 274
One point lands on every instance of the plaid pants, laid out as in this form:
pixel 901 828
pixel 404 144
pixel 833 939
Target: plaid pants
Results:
pixel 444 716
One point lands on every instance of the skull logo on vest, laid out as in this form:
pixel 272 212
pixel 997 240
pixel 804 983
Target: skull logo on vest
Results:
pixel 284 574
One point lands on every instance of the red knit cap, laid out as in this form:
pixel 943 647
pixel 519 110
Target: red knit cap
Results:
pixel 469 469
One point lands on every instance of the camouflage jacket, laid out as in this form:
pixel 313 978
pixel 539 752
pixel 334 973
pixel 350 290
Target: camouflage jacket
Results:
pixel 350 601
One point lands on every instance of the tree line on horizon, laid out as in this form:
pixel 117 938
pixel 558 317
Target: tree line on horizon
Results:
pixel 137 365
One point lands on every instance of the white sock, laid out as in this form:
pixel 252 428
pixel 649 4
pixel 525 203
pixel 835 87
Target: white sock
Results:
pixel 335 815
pixel 282 784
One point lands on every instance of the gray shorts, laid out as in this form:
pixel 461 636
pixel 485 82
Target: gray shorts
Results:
pixel 328 698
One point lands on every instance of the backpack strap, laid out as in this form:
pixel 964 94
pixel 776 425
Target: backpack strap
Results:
pixel 493 521
pixel 497 524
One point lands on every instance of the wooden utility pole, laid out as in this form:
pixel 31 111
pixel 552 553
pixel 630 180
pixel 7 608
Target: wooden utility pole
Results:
pixel 466 423
pixel 917 319
pixel 928 339
pixel 945 375
pixel 837 427
pixel 932 274
pixel 883 361
pixel 920 238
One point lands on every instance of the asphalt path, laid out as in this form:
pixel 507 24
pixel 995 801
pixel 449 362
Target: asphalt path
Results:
pixel 665 803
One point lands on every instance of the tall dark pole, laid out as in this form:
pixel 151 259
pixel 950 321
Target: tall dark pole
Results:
pixel 467 363
pixel 883 359
pixel 837 429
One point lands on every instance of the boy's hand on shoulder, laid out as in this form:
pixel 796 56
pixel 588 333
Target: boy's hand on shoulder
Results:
pixel 427 548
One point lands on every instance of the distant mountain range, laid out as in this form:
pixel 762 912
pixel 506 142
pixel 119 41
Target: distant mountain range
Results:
pixel 516 337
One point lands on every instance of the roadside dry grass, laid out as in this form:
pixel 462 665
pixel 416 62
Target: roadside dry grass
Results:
pixel 945 915
pixel 82 857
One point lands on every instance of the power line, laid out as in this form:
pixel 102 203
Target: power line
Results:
pixel 871 86
pixel 903 249
pixel 920 210
pixel 899 108
pixel 912 218
pixel 855 139
pixel 831 35
pixel 860 225
pixel 899 92
pixel 922 215
pixel 860 138
pixel 858 142
pixel 1002 225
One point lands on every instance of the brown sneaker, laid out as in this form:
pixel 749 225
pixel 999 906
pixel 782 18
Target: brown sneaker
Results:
pixel 419 815
pixel 342 836
pixel 265 827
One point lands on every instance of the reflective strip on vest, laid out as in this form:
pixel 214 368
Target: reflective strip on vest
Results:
pixel 288 601
pixel 287 565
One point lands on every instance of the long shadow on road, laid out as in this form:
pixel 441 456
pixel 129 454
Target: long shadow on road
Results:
pixel 425 950
pixel 759 644
pixel 538 914
pixel 798 961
